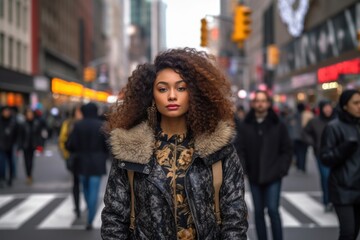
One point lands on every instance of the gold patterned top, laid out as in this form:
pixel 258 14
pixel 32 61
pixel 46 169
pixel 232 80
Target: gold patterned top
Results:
pixel 174 154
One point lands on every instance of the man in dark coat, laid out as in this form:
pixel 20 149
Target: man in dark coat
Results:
pixel 266 150
pixel 8 134
pixel 88 144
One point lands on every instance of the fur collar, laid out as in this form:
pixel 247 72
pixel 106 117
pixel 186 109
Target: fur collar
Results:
pixel 136 145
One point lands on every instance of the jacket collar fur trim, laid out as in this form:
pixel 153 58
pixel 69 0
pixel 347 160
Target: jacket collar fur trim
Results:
pixel 136 145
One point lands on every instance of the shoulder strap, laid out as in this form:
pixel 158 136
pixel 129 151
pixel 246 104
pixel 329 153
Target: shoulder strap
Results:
pixel 130 174
pixel 217 181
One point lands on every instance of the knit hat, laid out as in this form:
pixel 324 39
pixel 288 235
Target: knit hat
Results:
pixel 346 96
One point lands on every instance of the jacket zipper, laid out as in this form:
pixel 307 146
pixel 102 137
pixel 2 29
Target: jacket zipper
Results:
pixel 190 205
pixel 174 183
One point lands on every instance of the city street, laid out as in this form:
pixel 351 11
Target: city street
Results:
pixel 44 210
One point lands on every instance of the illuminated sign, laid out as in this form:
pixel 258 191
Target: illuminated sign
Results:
pixel 294 18
pixel 63 87
pixel 332 72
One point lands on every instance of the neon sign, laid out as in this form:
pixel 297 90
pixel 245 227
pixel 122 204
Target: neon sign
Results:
pixel 332 72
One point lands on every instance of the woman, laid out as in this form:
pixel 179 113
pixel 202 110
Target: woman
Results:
pixel 65 130
pixel 174 123
pixel 312 136
pixel 30 139
pixel 340 151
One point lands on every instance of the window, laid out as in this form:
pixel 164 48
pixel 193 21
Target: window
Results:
pixel 11 52
pixel 10 2
pixel 18 14
pixel 1 9
pixel 18 55
pixel 1 48
pixel 24 18
pixel 24 58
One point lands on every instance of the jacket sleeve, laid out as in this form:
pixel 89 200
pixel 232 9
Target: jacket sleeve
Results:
pixel 233 208
pixel 285 149
pixel 334 153
pixel 308 133
pixel 116 214
pixel 63 136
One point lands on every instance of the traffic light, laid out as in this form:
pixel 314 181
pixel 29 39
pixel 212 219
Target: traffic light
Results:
pixel 204 33
pixel 273 55
pixel 242 23
pixel 89 74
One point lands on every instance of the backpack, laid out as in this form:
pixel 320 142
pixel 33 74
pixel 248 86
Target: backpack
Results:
pixel 217 181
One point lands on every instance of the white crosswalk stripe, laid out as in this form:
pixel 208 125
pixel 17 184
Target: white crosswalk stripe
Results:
pixel 61 216
pixel 24 211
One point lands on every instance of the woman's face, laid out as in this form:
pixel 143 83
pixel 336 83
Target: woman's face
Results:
pixel 171 94
pixel 353 106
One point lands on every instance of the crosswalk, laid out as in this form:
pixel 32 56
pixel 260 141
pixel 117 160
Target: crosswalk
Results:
pixel 298 210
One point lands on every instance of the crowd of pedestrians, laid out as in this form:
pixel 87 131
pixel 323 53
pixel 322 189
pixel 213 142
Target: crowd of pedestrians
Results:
pixel 174 125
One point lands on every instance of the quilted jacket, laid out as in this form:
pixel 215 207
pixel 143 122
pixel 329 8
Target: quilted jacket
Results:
pixel 133 149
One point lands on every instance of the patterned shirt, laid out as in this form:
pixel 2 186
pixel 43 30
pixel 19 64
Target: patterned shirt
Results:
pixel 174 154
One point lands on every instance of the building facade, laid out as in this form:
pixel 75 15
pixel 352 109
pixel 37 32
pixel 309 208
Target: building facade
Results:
pixel 16 82
pixel 318 53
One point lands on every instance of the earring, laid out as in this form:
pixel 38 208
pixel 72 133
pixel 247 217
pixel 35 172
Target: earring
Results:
pixel 152 115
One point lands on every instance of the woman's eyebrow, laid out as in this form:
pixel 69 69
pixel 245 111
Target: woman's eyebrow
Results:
pixel 166 83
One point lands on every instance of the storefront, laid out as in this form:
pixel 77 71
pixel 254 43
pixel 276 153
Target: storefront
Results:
pixel 333 79
pixel 15 88
pixel 330 50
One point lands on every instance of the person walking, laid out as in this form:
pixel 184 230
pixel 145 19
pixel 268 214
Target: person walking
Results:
pixel 312 136
pixel 30 139
pixel 175 123
pixel 87 142
pixel 8 138
pixel 340 150
pixel 266 150
pixel 66 128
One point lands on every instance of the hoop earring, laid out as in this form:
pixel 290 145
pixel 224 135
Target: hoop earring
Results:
pixel 152 115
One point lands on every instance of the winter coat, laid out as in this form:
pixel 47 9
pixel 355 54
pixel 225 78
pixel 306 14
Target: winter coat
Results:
pixel 265 148
pixel 8 133
pixel 340 150
pixel 133 149
pixel 88 143
pixel 30 136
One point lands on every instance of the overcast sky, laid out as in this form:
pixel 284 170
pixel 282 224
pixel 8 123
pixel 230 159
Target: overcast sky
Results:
pixel 183 21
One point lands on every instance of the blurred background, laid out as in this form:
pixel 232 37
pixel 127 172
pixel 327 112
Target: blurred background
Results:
pixel 55 54
pixel 60 52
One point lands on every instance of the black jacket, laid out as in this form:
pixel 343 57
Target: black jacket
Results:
pixel 30 135
pixel 340 150
pixel 133 149
pixel 88 143
pixel 8 133
pixel 265 148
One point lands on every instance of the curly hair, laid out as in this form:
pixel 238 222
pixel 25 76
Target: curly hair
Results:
pixel 209 91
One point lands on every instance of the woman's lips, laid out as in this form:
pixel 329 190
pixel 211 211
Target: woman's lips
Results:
pixel 172 107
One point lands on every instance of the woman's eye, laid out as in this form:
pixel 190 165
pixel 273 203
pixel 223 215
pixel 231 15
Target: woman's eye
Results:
pixel 162 89
pixel 181 89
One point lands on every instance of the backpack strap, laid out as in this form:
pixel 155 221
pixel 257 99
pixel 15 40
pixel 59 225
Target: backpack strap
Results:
pixel 130 174
pixel 217 181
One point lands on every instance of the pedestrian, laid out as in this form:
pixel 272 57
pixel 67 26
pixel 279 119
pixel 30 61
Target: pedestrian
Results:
pixel 266 149
pixel 302 117
pixel 30 139
pixel 340 150
pixel 8 137
pixel 175 124
pixel 87 143
pixel 66 128
pixel 312 135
